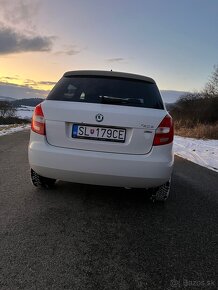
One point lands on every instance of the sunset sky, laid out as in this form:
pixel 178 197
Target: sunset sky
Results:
pixel 175 42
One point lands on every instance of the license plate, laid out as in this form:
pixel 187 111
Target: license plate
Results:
pixel 99 133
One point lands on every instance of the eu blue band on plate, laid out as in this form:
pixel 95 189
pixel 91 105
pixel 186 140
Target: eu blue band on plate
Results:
pixel 75 130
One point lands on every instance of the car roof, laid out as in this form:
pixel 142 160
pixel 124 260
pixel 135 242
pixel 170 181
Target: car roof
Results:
pixel 109 74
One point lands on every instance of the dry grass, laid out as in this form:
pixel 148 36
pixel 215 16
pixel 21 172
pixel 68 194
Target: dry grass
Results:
pixel 199 131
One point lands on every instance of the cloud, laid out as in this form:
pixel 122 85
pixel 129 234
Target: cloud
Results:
pixel 27 82
pixel 69 50
pixel 48 83
pixel 15 42
pixel 29 88
pixel 116 59
pixel 8 78
pixel 24 16
pixel 31 83
pixel 20 12
pixel 20 91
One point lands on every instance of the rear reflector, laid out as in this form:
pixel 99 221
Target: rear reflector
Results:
pixel 38 121
pixel 164 133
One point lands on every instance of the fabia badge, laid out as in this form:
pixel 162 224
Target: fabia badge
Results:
pixel 99 117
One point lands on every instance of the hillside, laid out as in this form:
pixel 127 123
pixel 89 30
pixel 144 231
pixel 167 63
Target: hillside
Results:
pixel 31 102
pixel 8 99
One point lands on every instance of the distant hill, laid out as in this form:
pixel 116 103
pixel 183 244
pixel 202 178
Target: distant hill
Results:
pixel 170 96
pixel 8 99
pixel 32 102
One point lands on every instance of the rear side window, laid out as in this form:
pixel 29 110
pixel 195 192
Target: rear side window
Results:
pixel 107 90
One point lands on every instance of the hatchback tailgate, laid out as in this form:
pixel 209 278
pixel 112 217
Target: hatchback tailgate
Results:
pixel 139 123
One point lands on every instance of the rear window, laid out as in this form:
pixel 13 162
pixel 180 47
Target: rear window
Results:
pixel 107 90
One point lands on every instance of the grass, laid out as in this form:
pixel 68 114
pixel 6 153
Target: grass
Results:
pixel 199 131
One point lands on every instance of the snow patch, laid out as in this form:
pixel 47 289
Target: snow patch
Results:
pixel 24 112
pixel 202 152
pixel 8 129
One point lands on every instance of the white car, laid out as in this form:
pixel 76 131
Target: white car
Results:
pixel 103 128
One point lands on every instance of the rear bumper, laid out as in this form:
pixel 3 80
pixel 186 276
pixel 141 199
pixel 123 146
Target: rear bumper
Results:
pixel 100 168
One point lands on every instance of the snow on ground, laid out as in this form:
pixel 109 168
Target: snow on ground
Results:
pixel 9 129
pixel 202 152
pixel 24 112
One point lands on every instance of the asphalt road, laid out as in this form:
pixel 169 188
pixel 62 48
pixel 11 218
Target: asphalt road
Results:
pixel 88 237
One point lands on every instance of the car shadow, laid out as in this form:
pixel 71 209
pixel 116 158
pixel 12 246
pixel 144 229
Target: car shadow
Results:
pixel 94 194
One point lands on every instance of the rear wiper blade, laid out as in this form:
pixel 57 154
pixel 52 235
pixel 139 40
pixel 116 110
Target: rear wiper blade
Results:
pixel 115 100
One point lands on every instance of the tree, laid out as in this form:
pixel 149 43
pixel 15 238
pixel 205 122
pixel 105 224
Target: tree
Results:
pixel 7 109
pixel 199 107
pixel 211 88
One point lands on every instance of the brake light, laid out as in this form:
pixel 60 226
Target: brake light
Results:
pixel 164 133
pixel 38 121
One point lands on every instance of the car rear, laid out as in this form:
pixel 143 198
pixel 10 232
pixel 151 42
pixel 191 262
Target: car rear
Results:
pixel 104 128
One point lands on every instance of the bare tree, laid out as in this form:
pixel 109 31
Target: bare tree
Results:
pixel 7 109
pixel 211 88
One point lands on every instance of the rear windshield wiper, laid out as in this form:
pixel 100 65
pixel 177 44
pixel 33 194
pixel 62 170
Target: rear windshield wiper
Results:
pixel 115 100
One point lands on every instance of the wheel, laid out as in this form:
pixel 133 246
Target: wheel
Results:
pixel 41 181
pixel 160 193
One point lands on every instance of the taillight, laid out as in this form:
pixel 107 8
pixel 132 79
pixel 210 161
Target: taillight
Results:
pixel 164 133
pixel 38 120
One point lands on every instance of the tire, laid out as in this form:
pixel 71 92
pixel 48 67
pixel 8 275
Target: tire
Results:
pixel 160 193
pixel 41 181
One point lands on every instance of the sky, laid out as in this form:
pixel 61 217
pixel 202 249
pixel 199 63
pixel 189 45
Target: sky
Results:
pixel 175 42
